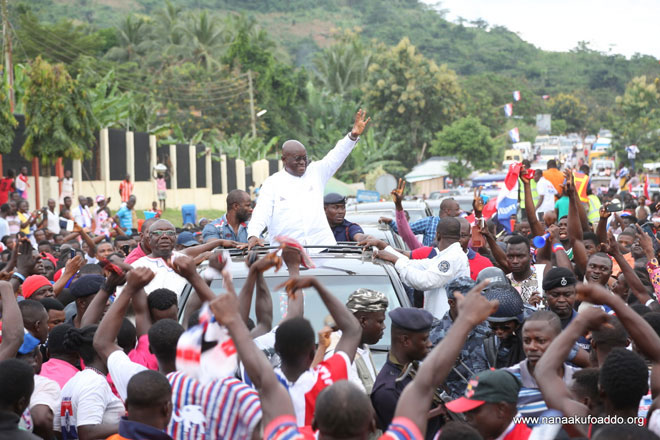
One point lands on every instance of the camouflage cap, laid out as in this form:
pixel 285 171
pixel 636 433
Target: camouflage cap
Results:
pixel 367 300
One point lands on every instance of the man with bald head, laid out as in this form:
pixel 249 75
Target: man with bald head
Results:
pixel 291 200
pixel 432 275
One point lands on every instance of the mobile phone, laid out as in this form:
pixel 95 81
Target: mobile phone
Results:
pixel 72 253
pixel 614 207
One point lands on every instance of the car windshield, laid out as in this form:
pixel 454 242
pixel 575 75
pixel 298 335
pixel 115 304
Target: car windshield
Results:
pixel 371 217
pixel 549 152
pixel 315 311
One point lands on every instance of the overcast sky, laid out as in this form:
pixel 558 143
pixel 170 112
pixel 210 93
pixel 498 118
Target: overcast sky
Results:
pixel 619 26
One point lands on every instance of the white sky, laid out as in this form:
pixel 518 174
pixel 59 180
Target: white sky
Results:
pixel 619 26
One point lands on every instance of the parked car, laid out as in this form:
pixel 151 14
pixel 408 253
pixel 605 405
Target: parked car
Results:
pixel 464 201
pixel 369 213
pixel 342 269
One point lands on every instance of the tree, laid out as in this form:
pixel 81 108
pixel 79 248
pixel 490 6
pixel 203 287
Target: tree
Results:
pixel 7 121
pixel 570 109
pixel 134 40
pixel 412 94
pixel 637 116
pixel 342 67
pixel 58 115
pixel 469 142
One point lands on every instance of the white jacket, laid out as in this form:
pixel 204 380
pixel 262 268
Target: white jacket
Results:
pixel 293 206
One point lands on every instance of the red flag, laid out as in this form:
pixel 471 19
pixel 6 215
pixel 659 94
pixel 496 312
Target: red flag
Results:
pixel 512 176
pixel 581 180
pixel 490 208
pixel 646 187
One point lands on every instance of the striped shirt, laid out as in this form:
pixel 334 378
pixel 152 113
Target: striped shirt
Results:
pixel 224 409
pixel 530 399
pixel 427 226
pixel 284 428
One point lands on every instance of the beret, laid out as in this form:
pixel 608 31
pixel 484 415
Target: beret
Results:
pixel 333 198
pixel 462 284
pixel 367 300
pixel 511 304
pixel 412 319
pixel 87 285
pixel 558 277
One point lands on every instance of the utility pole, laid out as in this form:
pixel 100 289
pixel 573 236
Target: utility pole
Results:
pixel 9 66
pixel 253 116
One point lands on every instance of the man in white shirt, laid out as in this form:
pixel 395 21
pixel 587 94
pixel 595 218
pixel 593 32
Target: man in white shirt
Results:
pixel 83 216
pixel 291 201
pixel 632 151
pixel 53 219
pixel 432 275
pixel 546 192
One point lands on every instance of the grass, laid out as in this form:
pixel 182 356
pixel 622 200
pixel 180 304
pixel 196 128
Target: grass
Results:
pixel 174 215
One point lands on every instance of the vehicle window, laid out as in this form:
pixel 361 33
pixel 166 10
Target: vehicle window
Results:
pixel 315 311
pixel 548 152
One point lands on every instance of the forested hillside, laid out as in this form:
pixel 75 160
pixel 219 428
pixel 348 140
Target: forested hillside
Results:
pixel 184 66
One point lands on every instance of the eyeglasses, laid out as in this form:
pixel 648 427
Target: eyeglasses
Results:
pixel 168 233
pixel 499 326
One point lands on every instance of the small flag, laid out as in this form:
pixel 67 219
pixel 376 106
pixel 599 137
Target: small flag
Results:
pixel 507 199
pixel 516 95
pixel 546 96
pixel 581 181
pixel 508 110
pixel 514 134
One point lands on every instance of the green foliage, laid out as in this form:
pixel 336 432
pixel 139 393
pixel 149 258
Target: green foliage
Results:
pixel 570 109
pixel 469 142
pixel 637 117
pixel 411 92
pixel 342 68
pixel 559 126
pixel 58 115
pixel 7 121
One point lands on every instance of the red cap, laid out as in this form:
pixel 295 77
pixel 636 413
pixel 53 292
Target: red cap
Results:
pixel 58 274
pixel 33 283
pixel 50 257
pixel 463 404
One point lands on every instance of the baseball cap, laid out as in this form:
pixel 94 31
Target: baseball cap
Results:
pixel 488 386
pixel 186 239
pixel 100 198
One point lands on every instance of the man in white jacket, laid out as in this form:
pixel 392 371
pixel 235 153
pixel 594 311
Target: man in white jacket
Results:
pixel 432 275
pixel 291 200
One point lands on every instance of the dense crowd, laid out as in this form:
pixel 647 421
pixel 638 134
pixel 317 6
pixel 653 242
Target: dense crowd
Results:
pixel 510 331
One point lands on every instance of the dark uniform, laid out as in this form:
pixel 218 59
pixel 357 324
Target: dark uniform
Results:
pixel 346 231
pixel 394 376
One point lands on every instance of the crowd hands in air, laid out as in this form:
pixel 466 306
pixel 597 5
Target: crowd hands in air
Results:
pixel 504 339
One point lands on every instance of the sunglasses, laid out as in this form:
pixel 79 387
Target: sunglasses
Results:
pixel 500 326
pixel 159 233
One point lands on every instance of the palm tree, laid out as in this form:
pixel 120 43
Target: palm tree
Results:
pixel 342 67
pixel 205 39
pixel 133 33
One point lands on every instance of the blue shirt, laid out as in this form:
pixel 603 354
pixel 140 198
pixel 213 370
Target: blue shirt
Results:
pixel 346 231
pixel 427 226
pixel 125 217
pixel 220 228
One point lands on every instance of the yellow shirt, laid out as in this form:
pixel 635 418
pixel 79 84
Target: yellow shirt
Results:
pixel 24 218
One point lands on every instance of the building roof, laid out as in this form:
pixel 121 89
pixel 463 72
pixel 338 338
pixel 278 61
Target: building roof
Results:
pixel 432 168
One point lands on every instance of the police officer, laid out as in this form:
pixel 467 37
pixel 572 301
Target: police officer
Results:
pixel 335 211
pixel 410 344
pixel 472 357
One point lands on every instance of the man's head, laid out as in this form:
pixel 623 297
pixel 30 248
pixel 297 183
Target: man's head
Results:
pixel 162 237
pixel 84 289
pixel 449 208
pixel 239 202
pixel 130 204
pixel 67 202
pixel 449 230
pixel 149 399
pixel 125 244
pixel 489 403
pixel 144 234
pixel 591 243
pixel 82 200
pixel 523 228
pixel 163 304
pixel 294 157
pixel 623 380
pixel 464 236
pixel 599 269
pixel 585 389
pixel 552 164
pixel 37 287
pixel 16 385
pixel 460 284
pixel 127 178
pixel 537 175
pixel 563 228
pixel 509 314
pixel 56 343
pixel 538 331
pixel 55 310
pixel 100 200
pixel 369 306
pixel 163 337
pixel 103 250
pixel 343 411
pixel 295 343
pixel 517 254
pixel 35 318
pixel 605 339
pixel 625 241
pixel 559 291
pixel 335 208
pixel 410 333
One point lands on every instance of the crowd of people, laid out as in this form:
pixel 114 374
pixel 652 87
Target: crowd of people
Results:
pixel 509 332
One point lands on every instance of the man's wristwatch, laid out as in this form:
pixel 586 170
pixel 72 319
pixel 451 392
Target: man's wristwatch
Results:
pixel 351 137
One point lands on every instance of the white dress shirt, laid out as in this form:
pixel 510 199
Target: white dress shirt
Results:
pixel 293 206
pixel 432 275
pixel 82 216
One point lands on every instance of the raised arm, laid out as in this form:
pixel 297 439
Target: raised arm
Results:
pixel 70 269
pixel 329 165
pixel 574 224
pixel 631 277
pixel 194 251
pixel 416 398
pixel 401 221
pixel 496 250
pixel 530 209
pixel 347 323
pixel 601 229
pixel 263 302
pixel 262 213
pixel 185 266
pixel 87 239
pixel 552 386
pixel 96 307
pixel 106 335
pixel 12 322
pixel 275 400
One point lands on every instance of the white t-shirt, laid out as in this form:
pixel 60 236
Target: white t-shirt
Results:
pixel 165 277
pixel 67 187
pixel 53 222
pixel 82 216
pixel 632 151
pixel 548 191
pixel 46 392
pixel 87 400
